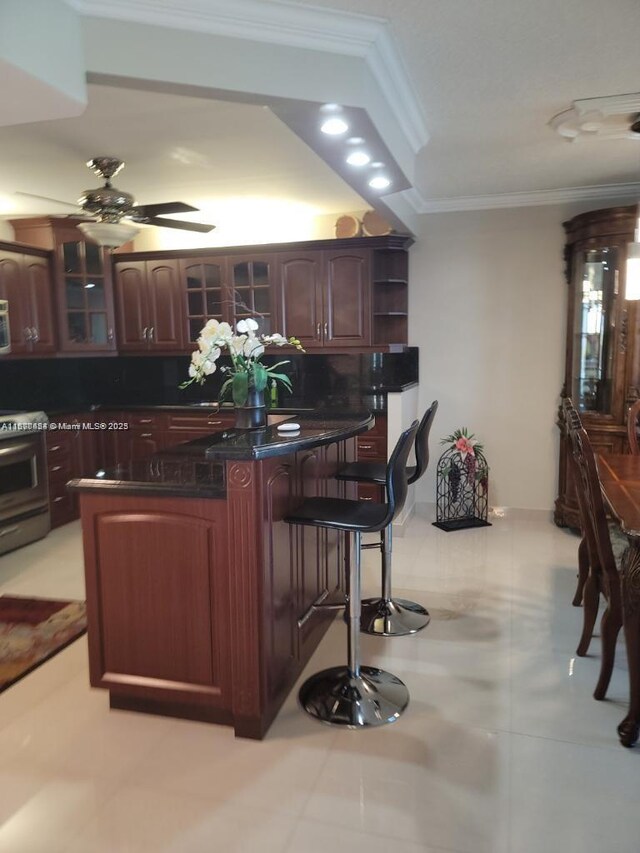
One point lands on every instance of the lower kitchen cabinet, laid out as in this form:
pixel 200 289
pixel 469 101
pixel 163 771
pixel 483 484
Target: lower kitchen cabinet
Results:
pixel 72 451
pixel 372 447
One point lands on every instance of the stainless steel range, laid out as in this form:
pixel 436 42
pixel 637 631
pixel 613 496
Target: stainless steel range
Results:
pixel 24 502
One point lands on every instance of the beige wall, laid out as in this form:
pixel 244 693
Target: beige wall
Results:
pixel 487 309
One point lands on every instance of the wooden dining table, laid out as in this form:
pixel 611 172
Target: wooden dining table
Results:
pixel 620 479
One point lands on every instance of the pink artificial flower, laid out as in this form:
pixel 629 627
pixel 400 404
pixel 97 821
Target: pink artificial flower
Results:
pixel 464 446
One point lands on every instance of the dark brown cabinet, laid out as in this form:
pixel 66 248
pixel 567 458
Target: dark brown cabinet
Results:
pixel 148 300
pixel 73 450
pixel 337 295
pixel 602 370
pixel 228 288
pixel 83 283
pixel 325 298
pixel 25 282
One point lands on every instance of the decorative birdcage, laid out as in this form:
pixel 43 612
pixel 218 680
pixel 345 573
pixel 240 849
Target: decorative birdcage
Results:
pixel 462 488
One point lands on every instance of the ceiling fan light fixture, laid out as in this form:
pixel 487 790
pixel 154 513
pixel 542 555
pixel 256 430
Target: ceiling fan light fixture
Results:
pixel 108 234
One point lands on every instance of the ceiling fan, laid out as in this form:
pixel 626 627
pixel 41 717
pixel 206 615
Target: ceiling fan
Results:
pixel 109 205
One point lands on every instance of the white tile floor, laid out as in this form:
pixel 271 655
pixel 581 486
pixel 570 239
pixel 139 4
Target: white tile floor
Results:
pixel 502 749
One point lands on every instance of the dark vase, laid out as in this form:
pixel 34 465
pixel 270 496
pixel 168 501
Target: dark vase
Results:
pixel 253 415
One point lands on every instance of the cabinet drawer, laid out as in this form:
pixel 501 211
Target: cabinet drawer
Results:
pixel 372 447
pixel 368 492
pixel 61 503
pixel 145 419
pixel 208 422
pixel 58 450
pixel 59 469
pixel 379 428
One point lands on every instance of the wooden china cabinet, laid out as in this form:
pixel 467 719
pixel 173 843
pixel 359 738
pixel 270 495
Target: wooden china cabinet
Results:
pixel 602 373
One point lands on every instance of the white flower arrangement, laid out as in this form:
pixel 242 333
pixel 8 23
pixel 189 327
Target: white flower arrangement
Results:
pixel 245 349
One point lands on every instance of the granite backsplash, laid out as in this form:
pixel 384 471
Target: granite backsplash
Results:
pixel 318 380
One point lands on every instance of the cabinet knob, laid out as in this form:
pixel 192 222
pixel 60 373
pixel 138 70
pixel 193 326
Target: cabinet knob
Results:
pixel 318 331
pixel 146 435
pixel 27 334
pixel 35 335
pixel 152 331
pixel 326 330
pixel 110 336
pixel 145 332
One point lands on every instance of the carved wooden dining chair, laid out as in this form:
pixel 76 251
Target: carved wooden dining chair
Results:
pixel 603 577
pixel 632 428
pixel 568 411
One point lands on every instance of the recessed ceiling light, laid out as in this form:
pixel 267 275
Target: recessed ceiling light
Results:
pixel 380 183
pixel 355 140
pixel 377 165
pixel 334 126
pixel 358 158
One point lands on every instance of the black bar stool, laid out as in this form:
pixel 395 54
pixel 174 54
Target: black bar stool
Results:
pixel 357 696
pixel 387 616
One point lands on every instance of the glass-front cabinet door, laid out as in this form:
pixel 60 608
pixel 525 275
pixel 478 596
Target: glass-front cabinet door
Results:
pixel 250 280
pixel 205 294
pixel 85 301
pixel 595 330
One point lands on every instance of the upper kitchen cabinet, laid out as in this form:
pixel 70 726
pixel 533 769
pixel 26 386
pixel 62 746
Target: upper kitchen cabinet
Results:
pixel 325 298
pixel 83 283
pixel 345 294
pixel 229 288
pixel 148 300
pixel 252 282
pixel 25 282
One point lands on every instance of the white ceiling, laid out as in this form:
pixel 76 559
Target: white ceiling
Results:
pixel 176 148
pixel 488 76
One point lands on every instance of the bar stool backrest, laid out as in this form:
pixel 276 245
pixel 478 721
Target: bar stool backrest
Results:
pixel 397 480
pixel 422 443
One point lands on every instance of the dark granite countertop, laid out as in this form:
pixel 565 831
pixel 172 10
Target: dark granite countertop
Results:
pixel 196 468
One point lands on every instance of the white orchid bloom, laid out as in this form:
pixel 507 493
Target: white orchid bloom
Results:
pixel 248 326
pixel 225 331
pixel 236 344
pixel 253 348
pixel 276 339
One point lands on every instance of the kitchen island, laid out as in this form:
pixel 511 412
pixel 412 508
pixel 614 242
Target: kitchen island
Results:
pixel 199 596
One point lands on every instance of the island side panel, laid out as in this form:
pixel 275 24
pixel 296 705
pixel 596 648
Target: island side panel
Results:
pixel 158 603
pixel 246 558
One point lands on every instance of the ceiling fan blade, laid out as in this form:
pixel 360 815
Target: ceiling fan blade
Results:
pixel 46 198
pixel 178 223
pixel 161 209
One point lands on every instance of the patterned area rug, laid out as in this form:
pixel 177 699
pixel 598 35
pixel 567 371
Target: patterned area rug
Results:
pixel 32 630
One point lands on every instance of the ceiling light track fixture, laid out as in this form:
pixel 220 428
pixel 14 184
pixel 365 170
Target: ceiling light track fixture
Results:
pixel 334 124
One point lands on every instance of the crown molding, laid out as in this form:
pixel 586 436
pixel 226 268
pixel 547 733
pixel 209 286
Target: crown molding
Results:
pixel 534 198
pixel 283 23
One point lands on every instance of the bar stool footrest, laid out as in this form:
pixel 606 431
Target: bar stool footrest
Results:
pixel 396 617
pixel 337 697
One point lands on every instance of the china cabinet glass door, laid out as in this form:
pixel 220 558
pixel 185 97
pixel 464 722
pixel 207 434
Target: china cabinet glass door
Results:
pixel 594 343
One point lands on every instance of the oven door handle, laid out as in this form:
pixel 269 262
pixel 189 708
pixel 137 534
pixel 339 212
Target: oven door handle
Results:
pixel 15 449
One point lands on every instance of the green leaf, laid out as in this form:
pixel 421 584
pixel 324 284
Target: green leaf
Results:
pixel 260 376
pixel 225 388
pixel 240 388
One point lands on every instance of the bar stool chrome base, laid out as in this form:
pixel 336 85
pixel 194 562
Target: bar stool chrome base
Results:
pixel 394 617
pixel 337 697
